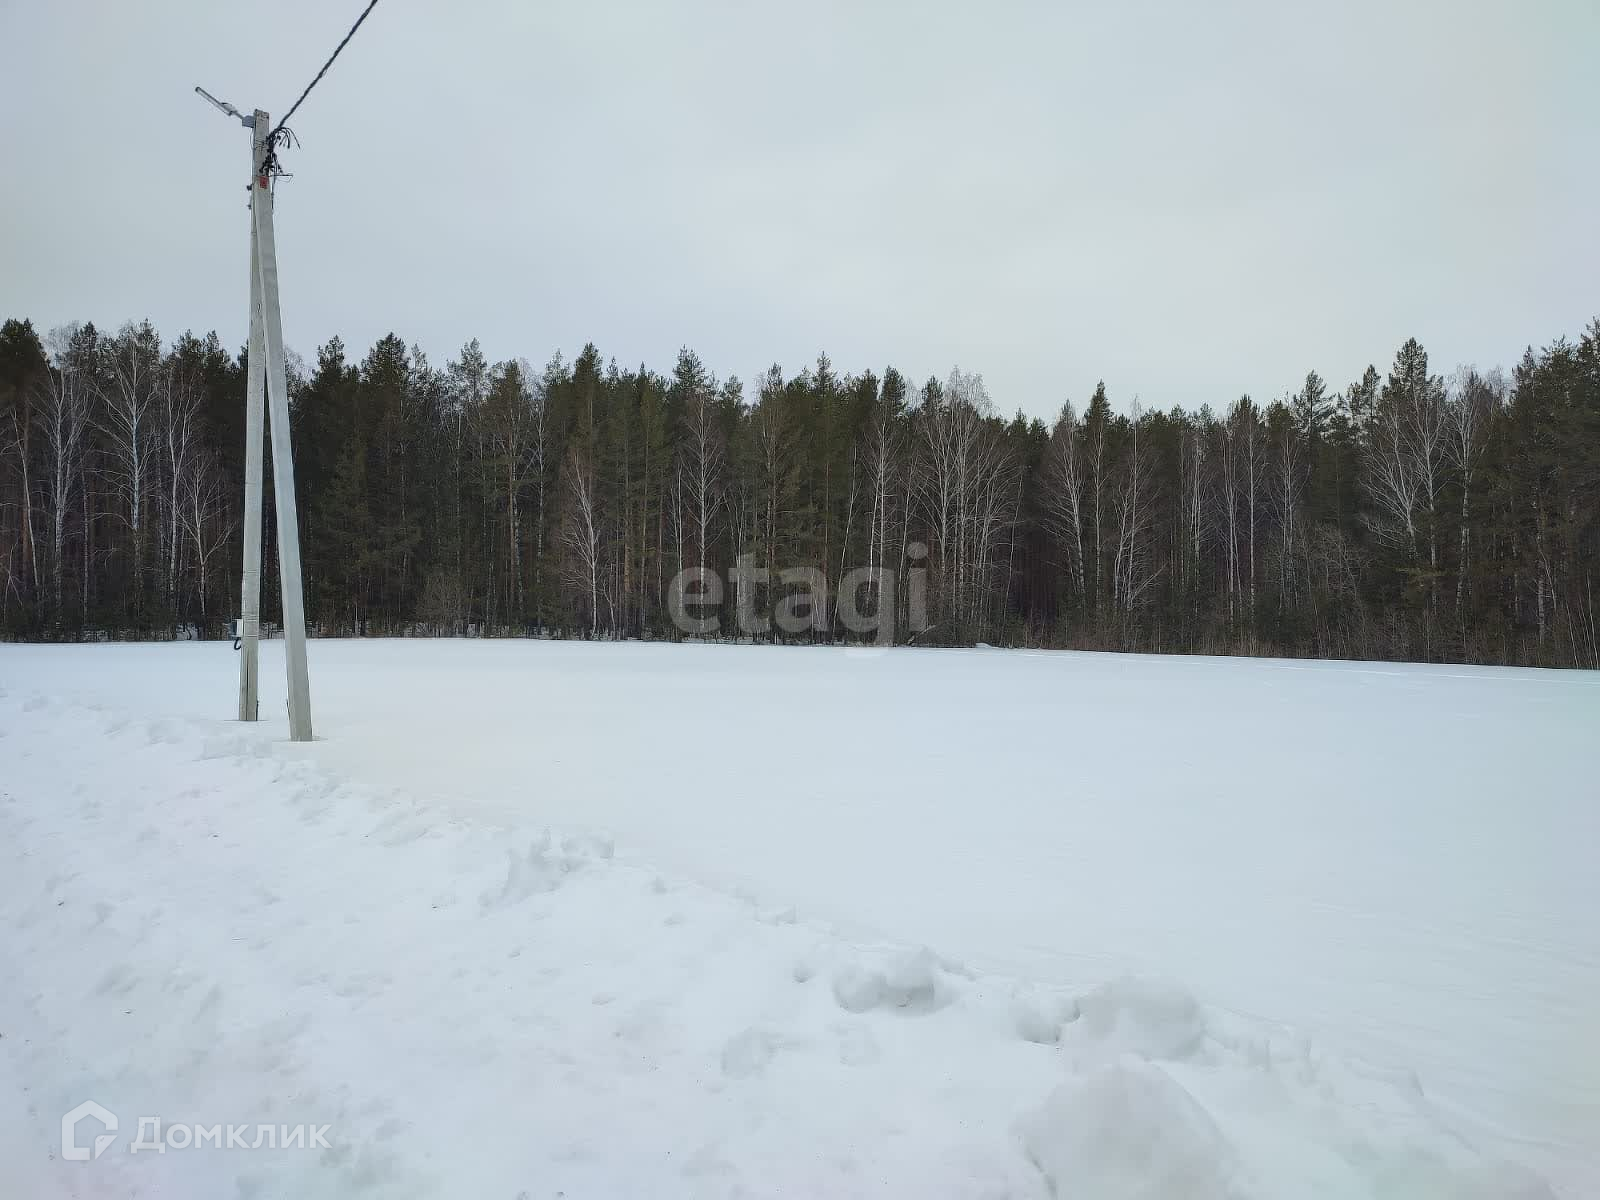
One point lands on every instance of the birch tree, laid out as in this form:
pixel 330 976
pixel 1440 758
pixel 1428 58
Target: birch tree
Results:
pixel 64 407
pixel 704 464
pixel 1286 485
pixel 581 534
pixel 882 451
pixel 1247 460
pixel 1133 571
pixel 967 491
pixel 1063 492
pixel 1404 461
pixel 129 378
pixel 206 518
pixel 1097 424
pixel 176 435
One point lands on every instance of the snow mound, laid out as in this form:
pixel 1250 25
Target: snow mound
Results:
pixel 1129 1132
pixel 1152 1018
pixel 906 981
pixel 1039 1017
pixel 543 869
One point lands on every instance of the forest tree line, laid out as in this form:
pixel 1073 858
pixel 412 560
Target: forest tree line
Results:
pixel 1408 515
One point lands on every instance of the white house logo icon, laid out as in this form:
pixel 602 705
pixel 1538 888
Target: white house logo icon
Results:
pixel 70 1150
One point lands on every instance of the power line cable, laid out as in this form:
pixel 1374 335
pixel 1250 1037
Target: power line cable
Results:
pixel 343 42
pixel 278 130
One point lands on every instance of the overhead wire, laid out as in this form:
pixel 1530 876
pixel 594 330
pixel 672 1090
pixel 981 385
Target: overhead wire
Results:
pixel 280 133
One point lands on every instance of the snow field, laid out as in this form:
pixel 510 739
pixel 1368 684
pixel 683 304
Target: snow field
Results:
pixel 202 922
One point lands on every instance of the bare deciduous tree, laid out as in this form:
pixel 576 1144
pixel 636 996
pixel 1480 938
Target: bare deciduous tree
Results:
pixel 580 533
pixel 64 406
pixel 1241 479
pixel 1133 570
pixel 967 488
pixel 883 452
pixel 176 417
pixel 1063 492
pixel 1404 457
pixel 132 367
pixel 704 463
pixel 1286 484
pixel 206 517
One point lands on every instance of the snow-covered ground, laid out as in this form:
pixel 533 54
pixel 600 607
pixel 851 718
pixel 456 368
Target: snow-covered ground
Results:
pixel 804 922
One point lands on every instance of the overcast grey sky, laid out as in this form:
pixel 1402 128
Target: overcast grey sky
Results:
pixel 1190 200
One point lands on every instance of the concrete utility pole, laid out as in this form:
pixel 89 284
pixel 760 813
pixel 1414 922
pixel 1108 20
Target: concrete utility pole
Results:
pixel 265 358
pixel 254 431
